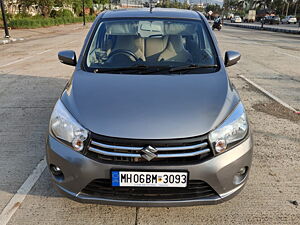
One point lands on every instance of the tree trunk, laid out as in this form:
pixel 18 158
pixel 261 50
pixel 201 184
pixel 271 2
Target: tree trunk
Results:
pixel 282 11
pixel 45 11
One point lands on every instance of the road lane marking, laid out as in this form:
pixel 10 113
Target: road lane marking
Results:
pixel 16 201
pixel 14 62
pixel 72 42
pixel 29 57
pixel 23 59
pixel 288 54
pixel 44 52
pixel 268 94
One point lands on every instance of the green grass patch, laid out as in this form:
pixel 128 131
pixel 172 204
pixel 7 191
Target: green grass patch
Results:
pixel 36 22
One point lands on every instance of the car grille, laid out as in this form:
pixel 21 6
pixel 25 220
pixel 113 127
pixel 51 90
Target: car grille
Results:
pixel 178 151
pixel 102 188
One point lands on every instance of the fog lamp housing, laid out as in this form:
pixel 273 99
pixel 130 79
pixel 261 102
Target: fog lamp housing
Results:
pixel 240 176
pixel 56 172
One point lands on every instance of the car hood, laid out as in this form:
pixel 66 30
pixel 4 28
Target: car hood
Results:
pixel 149 106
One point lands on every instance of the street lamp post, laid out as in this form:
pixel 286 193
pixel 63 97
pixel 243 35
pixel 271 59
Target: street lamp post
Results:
pixel 4 19
pixel 83 12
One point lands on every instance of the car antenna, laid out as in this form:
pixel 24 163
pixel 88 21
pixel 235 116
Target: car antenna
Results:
pixel 151 6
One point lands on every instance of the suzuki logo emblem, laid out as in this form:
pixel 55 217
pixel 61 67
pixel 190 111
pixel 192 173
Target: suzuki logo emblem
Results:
pixel 148 152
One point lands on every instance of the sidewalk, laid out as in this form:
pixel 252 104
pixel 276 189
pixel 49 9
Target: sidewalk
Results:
pixel 4 41
pixel 274 28
pixel 18 35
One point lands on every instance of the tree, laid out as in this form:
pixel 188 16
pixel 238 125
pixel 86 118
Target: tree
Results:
pixel 45 6
pixel 104 2
pixel 214 8
pixel 77 5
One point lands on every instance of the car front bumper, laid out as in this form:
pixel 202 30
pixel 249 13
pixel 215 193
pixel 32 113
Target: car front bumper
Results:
pixel 218 172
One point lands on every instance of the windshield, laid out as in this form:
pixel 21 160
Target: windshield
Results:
pixel 155 44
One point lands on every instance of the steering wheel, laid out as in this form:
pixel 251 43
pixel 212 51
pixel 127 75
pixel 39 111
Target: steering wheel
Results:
pixel 127 53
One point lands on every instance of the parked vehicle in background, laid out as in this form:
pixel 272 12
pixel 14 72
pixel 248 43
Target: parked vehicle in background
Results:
pixel 264 20
pixel 230 16
pixel 275 20
pixel 271 20
pixel 250 17
pixel 236 19
pixel 289 19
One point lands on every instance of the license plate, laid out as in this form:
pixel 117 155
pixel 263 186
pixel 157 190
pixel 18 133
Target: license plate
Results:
pixel 148 179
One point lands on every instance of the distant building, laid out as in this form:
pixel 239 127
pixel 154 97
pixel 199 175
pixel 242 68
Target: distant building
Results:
pixel 131 3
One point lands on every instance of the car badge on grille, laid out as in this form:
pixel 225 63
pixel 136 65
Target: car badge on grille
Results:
pixel 148 152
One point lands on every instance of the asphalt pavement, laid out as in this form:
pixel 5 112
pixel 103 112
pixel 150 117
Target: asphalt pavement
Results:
pixel 31 80
pixel 269 59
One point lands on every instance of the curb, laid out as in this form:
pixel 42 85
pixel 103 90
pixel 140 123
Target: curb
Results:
pixel 10 40
pixel 265 92
pixel 274 29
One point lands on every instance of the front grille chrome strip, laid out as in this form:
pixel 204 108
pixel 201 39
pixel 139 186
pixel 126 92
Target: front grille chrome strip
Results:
pixel 134 155
pixel 117 154
pixel 128 148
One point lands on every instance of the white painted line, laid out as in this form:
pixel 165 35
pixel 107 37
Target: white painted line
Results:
pixel 16 201
pixel 23 59
pixel 44 52
pixel 288 54
pixel 72 42
pixel 268 94
pixel 14 62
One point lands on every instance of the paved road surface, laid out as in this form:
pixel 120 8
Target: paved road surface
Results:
pixel 31 79
pixel 269 59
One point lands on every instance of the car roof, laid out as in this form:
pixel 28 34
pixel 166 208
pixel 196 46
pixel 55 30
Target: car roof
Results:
pixel 156 13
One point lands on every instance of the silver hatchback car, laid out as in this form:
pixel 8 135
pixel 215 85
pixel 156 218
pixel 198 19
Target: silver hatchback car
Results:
pixel 149 117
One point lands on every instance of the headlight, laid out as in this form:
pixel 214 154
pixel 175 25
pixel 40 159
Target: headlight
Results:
pixel 232 130
pixel 65 127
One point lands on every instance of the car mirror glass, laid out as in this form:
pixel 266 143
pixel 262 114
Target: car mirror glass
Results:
pixel 67 57
pixel 231 58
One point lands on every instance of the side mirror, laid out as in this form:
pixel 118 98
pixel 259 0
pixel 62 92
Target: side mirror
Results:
pixel 231 58
pixel 67 57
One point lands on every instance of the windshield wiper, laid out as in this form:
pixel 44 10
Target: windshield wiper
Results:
pixel 192 67
pixel 144 69
pixel 108 69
